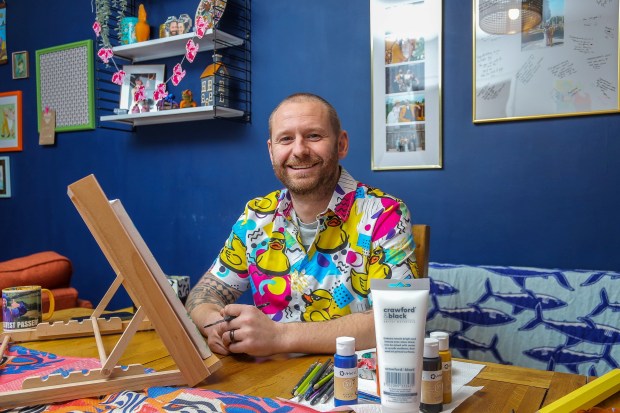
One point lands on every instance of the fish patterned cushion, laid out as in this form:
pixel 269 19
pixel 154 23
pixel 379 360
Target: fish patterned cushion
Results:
pixel 558 320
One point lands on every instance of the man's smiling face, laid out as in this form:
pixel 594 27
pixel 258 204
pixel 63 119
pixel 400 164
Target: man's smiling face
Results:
pixel 304 148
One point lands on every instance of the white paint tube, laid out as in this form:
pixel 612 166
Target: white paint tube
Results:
pixel 400 308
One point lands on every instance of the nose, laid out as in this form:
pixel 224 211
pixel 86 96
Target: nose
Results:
pixel 300 147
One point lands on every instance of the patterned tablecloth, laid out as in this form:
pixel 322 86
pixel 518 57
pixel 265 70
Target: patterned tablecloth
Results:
pixel 20 362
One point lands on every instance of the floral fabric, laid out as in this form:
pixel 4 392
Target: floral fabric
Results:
pixel 171 399
pixel 19 362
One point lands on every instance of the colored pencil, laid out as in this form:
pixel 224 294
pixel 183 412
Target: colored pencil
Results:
pixel 303 377
pixel 304 385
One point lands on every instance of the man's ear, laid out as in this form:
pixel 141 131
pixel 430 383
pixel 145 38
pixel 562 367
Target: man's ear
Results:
pixel 343 144
pixel 269 149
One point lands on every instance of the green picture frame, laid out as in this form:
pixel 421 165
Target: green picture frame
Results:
pixel 65 83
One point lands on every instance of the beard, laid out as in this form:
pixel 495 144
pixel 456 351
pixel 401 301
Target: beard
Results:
pixel 319 182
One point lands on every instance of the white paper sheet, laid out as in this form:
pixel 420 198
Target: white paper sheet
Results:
pixel 462 373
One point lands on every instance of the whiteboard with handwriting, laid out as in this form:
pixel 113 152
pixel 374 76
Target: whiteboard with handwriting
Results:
pixel 568 65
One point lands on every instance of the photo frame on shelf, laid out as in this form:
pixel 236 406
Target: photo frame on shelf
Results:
pixel 135 75
pixel 406 84
pixel 11 121
pixel 65 83
pixel 562 60
pixel 20 65
pixel 5 177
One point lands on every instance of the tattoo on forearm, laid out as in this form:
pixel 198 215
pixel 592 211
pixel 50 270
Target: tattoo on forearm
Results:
pixel 211 290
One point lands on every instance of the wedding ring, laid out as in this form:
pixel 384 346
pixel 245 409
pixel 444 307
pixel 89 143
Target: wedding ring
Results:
pixel 232 336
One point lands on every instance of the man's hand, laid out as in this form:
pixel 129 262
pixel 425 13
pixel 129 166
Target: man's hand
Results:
pixel 213 334
pixel 204 304
pixel 250 331
pixel 254 333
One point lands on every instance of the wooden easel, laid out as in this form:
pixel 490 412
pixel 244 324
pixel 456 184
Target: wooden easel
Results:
pixel 138 272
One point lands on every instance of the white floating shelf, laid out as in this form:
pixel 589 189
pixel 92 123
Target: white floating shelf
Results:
pixel 174 115
pixel 173 45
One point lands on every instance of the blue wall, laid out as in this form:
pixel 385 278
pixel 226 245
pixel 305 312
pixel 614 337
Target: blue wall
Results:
pixel 531 193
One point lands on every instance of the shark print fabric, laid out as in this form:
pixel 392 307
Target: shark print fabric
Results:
pixel 558 320
pixel 363 234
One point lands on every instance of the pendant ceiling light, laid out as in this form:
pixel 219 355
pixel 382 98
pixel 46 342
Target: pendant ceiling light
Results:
pixel 509 16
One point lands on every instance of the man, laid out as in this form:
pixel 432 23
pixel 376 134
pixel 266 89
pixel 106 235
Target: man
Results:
pixel 13 311
pixel 308 251
pixel 173 27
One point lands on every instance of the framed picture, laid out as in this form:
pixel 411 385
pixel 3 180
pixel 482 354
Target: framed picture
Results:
pixel 406 84
pixel 5 177
pixel 562 60
pixel 4 57
pixel 136 76
pixel 11 121
pixel 20 65
pixel 65 83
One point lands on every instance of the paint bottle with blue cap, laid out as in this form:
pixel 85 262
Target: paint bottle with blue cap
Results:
pixel 345 372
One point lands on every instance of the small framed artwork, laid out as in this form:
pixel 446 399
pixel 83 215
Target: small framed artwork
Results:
pixel 5 177
pixel 65 83
pixel 4 58
pixel 545 58
pixel 20 65
pixel 138 78
pixel 11 121
pixel 406 84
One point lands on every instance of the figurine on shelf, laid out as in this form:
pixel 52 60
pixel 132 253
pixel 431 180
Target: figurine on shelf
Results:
pixel 143 30
pixel 187 100
pixel 168 103
pixel 214 83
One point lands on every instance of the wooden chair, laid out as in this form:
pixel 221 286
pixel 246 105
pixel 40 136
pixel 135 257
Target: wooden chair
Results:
pixel 422 239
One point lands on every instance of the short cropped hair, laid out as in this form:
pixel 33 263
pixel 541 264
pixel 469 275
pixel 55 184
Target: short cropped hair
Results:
pixel 334 120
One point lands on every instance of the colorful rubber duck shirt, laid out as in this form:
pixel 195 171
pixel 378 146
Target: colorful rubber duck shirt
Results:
pixel 363 234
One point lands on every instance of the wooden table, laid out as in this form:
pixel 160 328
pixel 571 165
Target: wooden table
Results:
pixel 505 387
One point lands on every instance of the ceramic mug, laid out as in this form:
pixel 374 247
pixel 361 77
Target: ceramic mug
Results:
pixel 128 30
pixel 180 284
pixel 21 307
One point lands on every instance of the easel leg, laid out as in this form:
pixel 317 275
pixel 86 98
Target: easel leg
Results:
pixel 4 345
pixel 118 281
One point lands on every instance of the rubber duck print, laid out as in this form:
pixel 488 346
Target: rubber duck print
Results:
pixel 332 238
pixel 321 306
pixel 274 261
pixel 359 282
pixel 375 266
pixel 265 205
pixel 380 194
pixel 233 257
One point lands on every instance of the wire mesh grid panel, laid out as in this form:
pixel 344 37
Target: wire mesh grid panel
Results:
pixel 65 84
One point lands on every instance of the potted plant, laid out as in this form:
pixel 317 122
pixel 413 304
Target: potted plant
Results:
pixel 104 10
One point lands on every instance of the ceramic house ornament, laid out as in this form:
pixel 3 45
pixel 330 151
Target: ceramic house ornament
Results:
pixel 214 84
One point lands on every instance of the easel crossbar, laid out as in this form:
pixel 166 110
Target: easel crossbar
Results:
pixel 78 390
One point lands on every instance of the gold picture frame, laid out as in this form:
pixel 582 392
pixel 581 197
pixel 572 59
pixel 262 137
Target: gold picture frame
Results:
pixel 566 65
